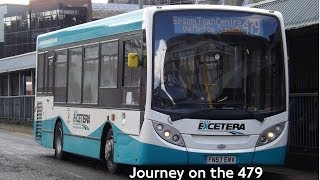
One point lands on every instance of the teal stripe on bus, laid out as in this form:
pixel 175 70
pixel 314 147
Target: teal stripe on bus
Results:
pixel 131 151
pixel 82 146
pixel 105 27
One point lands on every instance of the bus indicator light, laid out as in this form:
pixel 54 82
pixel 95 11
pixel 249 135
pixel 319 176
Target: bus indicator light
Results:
pixel 159 127
pixel 263 139
pixel 278 129
pixel 270 134
pixel 175 138
pixel 168 133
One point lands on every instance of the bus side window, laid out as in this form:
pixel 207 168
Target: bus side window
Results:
pixel 90 74
pixel 131 76
pixel 75 75
pixel 49 72
pixel 48 57
pixel 109 64
pixel 40 74
pixel 60 77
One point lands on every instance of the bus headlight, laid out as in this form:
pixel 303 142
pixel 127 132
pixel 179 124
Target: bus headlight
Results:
pixel 270 134
pixel 168 133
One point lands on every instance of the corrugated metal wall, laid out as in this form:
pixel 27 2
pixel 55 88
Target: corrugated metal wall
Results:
pixel 304 64
pixel 303 48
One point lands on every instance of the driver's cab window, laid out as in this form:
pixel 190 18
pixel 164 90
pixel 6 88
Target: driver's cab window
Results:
pixel 131 76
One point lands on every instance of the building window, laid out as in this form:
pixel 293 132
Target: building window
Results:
pixel 90 74
pixel 60 76
pixel 109 64
pixel 4 85
pixel 75 75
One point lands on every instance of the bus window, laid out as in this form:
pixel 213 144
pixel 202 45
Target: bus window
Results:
pixel 60 79
pixel 109 64
pixel 45 72
pixel 75 75
pixel 90 74
pixel 40 69
pixel 50 61
pixel 131 76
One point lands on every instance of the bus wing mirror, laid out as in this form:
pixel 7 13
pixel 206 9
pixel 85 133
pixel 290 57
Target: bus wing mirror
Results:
pixel 133 60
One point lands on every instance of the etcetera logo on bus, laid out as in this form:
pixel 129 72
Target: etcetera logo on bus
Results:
pixel 80 120
pixel 208 125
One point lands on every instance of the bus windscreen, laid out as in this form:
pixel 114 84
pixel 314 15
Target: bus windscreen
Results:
pixel 220 61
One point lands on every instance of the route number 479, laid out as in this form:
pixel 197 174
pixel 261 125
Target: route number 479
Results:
pixel 247 172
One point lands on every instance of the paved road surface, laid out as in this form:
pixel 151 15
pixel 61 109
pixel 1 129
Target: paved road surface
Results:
pixel 21 158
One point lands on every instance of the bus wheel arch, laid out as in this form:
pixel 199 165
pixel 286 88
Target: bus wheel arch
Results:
pixel 58 139
pixel 107 148
pixel 106 128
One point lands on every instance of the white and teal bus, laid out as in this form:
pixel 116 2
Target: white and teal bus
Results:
pixel 171 85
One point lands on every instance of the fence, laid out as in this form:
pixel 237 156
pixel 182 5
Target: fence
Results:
pixel 303 117
pixel 304 122
pixel 18 108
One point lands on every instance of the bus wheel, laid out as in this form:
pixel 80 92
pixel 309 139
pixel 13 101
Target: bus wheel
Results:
pixel 58 141
pixel 108 153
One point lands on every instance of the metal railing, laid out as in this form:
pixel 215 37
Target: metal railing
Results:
pixel 304 122
pixel 303 117
pixel 18 108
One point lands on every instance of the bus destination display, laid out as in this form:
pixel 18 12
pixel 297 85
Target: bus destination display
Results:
pixel 215 25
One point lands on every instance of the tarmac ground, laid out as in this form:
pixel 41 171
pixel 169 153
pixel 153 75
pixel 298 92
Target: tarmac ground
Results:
pixel 298 173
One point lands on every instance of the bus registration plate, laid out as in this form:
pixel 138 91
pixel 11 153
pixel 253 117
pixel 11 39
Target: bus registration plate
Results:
pixel 221 160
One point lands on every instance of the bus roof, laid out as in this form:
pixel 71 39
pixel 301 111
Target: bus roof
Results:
pixel 122 23
pixel 104 27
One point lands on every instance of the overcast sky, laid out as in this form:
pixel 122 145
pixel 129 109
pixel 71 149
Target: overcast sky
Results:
pixel 14 1
pixel 27 1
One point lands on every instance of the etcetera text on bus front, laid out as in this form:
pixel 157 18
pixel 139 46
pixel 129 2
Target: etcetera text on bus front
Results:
pixel 189 24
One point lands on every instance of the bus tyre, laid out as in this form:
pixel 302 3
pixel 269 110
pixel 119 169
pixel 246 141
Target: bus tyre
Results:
pixel 58 141
pixel 108 153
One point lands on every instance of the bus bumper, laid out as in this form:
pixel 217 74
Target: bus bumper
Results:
pixel 274 156
pixel 147 154
pixel 135 150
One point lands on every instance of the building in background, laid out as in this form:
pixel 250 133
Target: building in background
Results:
pixel 19 28
pixel 301 19
pixel 41 5
pixel 10 10
pixel 22 28
pixel 107 8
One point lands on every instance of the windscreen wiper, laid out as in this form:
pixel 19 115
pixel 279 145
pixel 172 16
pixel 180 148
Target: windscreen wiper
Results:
pixel 251 113
pixel 181 116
